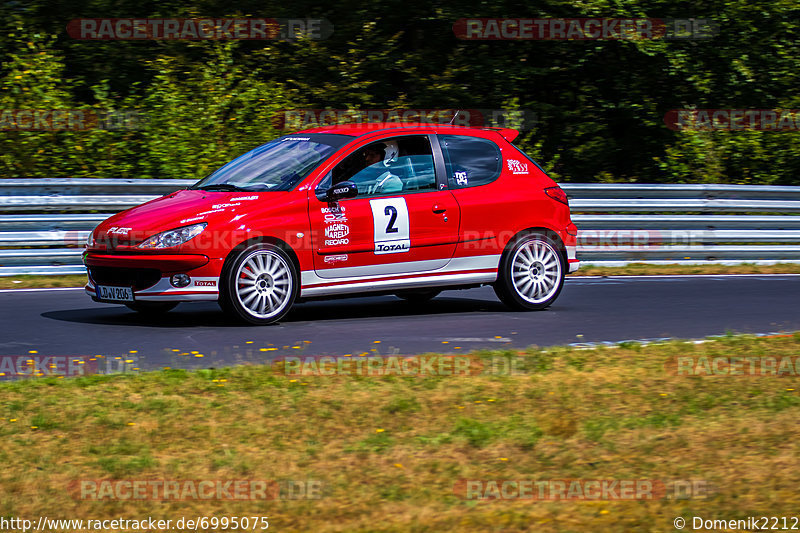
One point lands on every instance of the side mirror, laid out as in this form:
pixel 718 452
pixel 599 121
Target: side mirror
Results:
pixel 340 191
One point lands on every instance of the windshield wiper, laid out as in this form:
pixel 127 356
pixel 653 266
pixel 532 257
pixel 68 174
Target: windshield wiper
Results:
pixel 221 187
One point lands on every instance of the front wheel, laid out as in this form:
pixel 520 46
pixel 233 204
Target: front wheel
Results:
pixel 261 284
pixel 531 273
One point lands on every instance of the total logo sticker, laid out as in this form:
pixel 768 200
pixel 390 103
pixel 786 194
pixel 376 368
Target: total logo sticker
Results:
pixel 392 247
pixel 516 167
pixel 200 283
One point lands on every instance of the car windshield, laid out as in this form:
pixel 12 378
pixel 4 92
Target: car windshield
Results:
pixel 278 165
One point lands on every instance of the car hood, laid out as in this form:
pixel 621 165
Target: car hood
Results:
pixel 181 208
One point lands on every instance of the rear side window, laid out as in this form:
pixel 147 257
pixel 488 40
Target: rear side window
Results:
pixel 471 161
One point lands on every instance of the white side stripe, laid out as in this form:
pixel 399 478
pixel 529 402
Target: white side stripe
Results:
pixel 405 283
pixel 309 278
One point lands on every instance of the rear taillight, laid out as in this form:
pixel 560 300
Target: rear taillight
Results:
pixel 558 194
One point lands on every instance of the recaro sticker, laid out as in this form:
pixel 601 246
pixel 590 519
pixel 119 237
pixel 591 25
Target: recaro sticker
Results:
pixel 390 220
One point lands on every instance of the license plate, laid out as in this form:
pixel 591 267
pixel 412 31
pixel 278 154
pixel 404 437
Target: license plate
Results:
pixel 114 294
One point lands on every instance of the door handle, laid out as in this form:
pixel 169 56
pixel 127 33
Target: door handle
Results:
pixel 438 209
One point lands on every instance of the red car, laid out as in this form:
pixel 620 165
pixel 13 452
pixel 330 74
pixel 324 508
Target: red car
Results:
pixel 406 209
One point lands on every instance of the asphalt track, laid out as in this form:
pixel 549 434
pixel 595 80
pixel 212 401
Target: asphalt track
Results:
pixel 589 310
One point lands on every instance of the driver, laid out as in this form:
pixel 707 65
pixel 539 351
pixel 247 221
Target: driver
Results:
pixel 387 182
pixel 353 165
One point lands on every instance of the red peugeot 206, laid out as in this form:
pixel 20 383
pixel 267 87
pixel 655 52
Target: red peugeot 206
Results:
pixel 406 209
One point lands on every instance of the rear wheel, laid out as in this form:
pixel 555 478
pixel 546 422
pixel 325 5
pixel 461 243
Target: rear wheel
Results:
pixel 152 308
pixel 261 284
pixel 418 296
pixel 531 273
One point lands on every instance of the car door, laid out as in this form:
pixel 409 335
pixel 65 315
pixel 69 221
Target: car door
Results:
pixel 401 222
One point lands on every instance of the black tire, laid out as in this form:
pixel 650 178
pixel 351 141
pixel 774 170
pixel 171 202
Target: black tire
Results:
pixel 418 296
pixel 531 273
pixel 260 285
pixel 152 308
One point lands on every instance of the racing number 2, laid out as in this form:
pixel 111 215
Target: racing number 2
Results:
pixel 391 225
pixel 392 212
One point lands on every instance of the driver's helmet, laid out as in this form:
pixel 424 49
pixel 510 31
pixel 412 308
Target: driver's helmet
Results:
pixel 391 152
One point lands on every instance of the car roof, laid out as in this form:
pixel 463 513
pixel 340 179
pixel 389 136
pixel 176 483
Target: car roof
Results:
pixel 362 128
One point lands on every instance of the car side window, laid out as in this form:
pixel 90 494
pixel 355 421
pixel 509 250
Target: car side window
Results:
pixel 470 161
pixel 397 165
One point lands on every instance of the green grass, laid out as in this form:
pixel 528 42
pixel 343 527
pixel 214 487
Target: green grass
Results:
pixel 36 282
pixel 389 450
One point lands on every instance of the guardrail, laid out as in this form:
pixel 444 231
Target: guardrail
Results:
pixel 44 223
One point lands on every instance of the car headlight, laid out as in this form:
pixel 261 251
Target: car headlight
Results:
pixel 173 237
pixel 90 240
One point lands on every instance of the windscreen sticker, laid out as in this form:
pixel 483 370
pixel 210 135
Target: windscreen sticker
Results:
pixel 516 167
pixel 390 221
pixel 461 178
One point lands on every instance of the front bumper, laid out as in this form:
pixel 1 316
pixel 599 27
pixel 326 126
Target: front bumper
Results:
pixel 149 275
